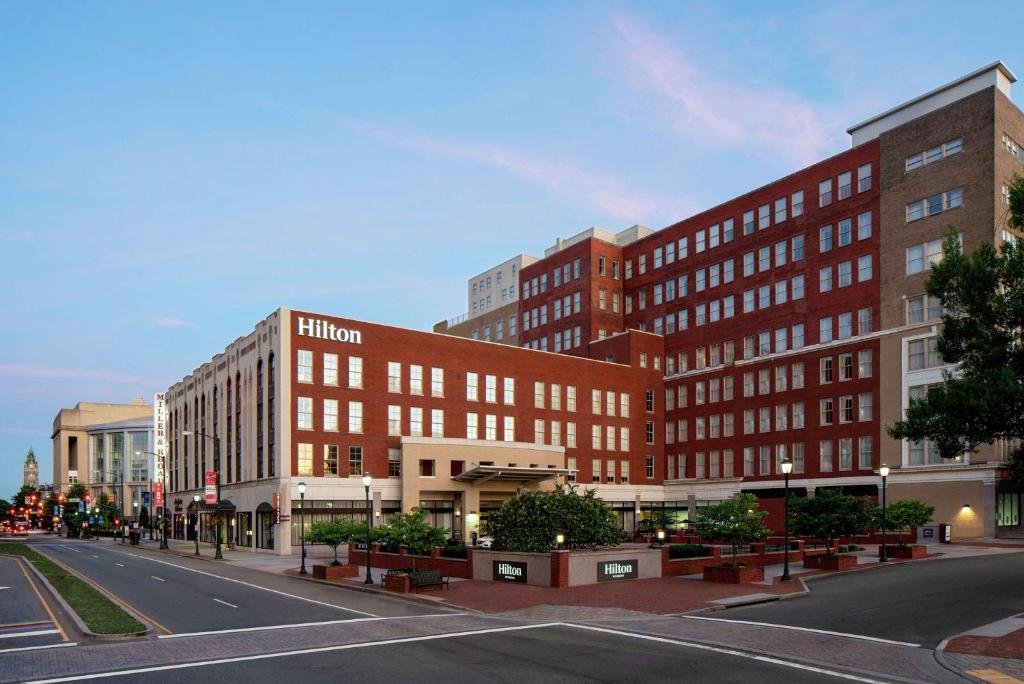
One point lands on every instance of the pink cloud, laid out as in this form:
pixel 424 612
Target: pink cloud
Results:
pixel 721 112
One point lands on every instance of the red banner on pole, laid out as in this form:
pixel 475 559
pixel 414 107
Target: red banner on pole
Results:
pixel 158 494
pixel 211 487
pixel 277 508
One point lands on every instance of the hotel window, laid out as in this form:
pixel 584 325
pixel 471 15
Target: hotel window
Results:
pixel 355 372
pixel 602 299
pixel 700 281
pixel 864 268
pixel 472 386
pixel 764 259
pixel 748 222
pixel 727 230
pixel 610 403
pixel 576 268
pixel 305 413
pixel 570 398
pixel 615 302
pixel 844 185
pixel 415 379
pixel 595 402
pixel 700 243
pixel 331 459
pixel 798 336
pixel 797 203
pixel 305 452
pixel 394 376
pixel 595 470
pixel 825 192
pixel 748 461
pixel 415 422
pixel 846 366
pixel 797 287
pixel 865 453
pixel 781 378
pixel 845 325
pixel 610 470
pixel 624 471
pixel 748 301
pixel 595 436
pixel 864 321
pixel 683 248
pixel 846 453
pixel 330 369
pixel 556 397
pixel 825 330
pixel 490 389
pixel 394 421
pixel 825 239
pixel 437 422
pixel 394 462
pixel 628 269
pixel 728 271
pixel 764 216
pixel 576 302
pixel 641 264
pixel 437 382
pixel 845 273
pixel 658 257
pixel 846 409
pixel 764 296
pixel 936 204
pixel 780 253
pixel 780 210
pixel 609 438
pixel 623 438
pixel 916 161
pixel 781 417
pixel 330 415
pixel 748 421
pixel 825 366
pixel 355 461
pixel 714 275
pixel 797 375
pixel 556 433
pixel 825 456
pixel 512 325
pixel 827 412
pixel 864 363
pixel 864 226
pixel 490 427
pixel 557 276
pixel 766 460
pixel 798 415
pixel 305 366
pixel 538 395
pixel 764 419
pixel 781 292
pixel 471 426
pixel 509 429
pixel 845 232
pixel 764 381
pixel 623 405
pixel 923 308
pixel 764 343
pixel 713 236
pixel 865 406
pixel 748 266
pixel 926 254
pixel 729 307
pixel 863 177
pixel 924 353
pixel 499 330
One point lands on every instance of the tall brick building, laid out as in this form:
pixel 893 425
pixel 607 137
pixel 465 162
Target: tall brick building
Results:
pixel 666 368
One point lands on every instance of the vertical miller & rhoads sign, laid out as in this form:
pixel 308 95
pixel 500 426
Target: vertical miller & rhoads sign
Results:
pixel 159 447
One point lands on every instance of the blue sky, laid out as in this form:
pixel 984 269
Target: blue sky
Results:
pixel 172 172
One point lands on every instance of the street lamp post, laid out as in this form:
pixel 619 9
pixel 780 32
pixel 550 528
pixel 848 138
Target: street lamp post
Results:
pixel 883 556
pixel 367 481
pixel 787 468
pixel 302 526
pixel 135 505
pixel 164 518
pixel 216 472
pixel 195 500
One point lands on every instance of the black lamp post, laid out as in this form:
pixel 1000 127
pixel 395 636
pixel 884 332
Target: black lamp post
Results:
pixel 367 481
pixel 195 500
pixel 164 518
pixel 216 472
pixel 883 555
pixel 787 468
pixel 302 526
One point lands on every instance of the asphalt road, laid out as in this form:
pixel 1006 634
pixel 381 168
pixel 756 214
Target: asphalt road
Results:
pixel 186 595
pixel 542 654
pixel 921 603
pixel 24 621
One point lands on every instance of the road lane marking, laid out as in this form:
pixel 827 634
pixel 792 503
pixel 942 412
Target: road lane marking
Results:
pixel 120 565
pixel 117 600
pixel 847 635
pixel 225 603
pixel 38 632
pixel 305 624
pixel 158 579
pixel 305 651
pixel 256 586
pixel 95 556
pixel 46 606
pixel 38 648
pixel 2 588
pixel 65 546
pixel 994 677
pixel 732 652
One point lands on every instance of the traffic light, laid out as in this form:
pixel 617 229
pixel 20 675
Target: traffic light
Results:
pixel 61 498
pixel 117 521
pixel 87 497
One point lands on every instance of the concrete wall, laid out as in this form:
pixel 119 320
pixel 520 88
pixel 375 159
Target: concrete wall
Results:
pixel 967 505
pixel 583 564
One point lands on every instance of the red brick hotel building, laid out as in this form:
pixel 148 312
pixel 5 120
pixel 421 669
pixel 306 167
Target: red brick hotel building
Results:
pixel 665 368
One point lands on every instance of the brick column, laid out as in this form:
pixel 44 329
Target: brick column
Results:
pixel 560 569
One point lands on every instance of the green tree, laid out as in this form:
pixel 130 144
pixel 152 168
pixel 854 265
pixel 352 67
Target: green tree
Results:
pixel 531 520
pixel 334 533
pixel 829 514
pixel 982 335
pixel 735 521
pixel 411 531
pixel 21 498
pixel 901 516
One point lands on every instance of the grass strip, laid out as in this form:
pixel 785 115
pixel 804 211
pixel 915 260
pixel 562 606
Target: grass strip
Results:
pixel 99 613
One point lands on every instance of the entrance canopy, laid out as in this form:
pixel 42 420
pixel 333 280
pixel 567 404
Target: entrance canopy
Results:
pixel 487 473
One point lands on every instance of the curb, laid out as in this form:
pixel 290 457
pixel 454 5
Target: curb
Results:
pixel 54 594
pixel 78 620
pixel 410 597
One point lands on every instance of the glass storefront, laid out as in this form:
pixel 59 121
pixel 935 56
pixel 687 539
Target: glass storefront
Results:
pixel 317 510
pixel 1008 509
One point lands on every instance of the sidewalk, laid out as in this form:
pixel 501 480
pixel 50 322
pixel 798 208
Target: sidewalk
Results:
pixel 996 647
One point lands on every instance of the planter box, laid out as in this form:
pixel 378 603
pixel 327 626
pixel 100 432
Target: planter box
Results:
pixel 841 562
pixel 733 575
pixel 911 551
pixel 397 583
pixel 331 572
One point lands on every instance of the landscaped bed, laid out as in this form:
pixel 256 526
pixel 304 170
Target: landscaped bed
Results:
pixel 98 612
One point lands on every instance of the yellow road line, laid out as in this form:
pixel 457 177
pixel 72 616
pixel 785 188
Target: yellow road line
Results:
pixel 46 606
pixel 994 677
pixel 115 599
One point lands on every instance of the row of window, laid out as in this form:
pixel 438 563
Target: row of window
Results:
pixel 934 154
pixel 563 307
pixel 936 204
pixel 609 470
pixel 767 460
pixel 499 330
pixel 304 369
pixel 565 273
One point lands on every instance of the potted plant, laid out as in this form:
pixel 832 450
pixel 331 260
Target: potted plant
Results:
pixel 735 521
pixel 397 582
pixel 411 531
pixel 333 533
pixel 901 517
pixel 829 515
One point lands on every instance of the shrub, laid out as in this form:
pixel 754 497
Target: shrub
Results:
pixel 843 548
pixel 688 550
pixel 412 531
pixel 334 533
pixel 530 520
pixel 829 514
pixel 457 550
pixel 902 515
pixel 735 521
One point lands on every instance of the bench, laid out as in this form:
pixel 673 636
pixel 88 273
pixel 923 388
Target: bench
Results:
pixel 427 578
pixel 394 571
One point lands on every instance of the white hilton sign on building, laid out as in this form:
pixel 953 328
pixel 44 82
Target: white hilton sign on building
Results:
pixel 314 327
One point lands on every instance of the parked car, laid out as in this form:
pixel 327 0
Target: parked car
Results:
pixel 484 542
pixel 21 529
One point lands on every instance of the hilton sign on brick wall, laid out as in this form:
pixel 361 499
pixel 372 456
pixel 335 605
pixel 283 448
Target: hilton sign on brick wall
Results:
pixel 617 569
pixel 510 571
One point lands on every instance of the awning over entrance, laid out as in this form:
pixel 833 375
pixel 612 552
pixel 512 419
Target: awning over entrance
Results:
pixel 487 473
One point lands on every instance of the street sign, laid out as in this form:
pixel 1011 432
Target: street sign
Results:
pixel 158 494
pixel 211 488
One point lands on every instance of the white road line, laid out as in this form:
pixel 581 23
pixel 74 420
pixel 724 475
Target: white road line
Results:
pixel 158 579
pixel 65 546
pixel 729 651
pixel 285 654
pixel 863 637
pixel 305 624
pixel 120 565
pixel 232 605
pixel 37 632
pixel 95 556
pixel 39 648
pixel 256 586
